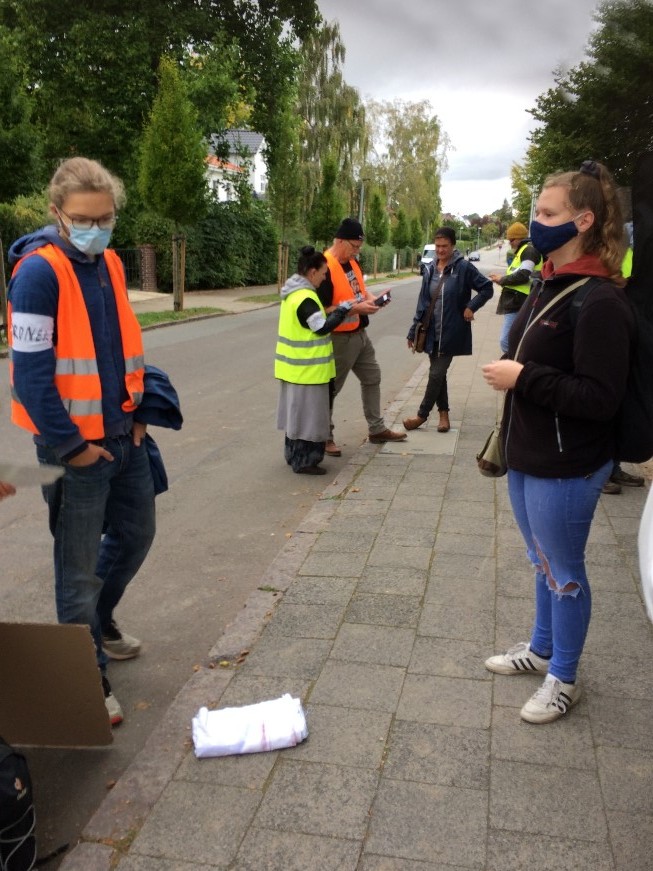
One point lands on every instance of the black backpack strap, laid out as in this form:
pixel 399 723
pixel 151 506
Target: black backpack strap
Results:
pixel 579 298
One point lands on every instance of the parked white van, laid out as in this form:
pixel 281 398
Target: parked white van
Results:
pixel 427 257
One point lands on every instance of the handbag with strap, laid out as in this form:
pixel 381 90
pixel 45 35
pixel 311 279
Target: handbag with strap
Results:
pixel 422 326
pixel 491 459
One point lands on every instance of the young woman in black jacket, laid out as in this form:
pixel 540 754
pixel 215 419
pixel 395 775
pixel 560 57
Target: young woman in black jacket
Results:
pixel 564 389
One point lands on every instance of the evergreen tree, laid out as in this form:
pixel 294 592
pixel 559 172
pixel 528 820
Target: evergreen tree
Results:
pixel 376 227
pixel 400 235
pixel 327 209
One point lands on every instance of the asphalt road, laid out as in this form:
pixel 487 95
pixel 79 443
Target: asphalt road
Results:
pixel 232 503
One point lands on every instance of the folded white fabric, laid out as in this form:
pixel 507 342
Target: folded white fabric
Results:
pixel 269 725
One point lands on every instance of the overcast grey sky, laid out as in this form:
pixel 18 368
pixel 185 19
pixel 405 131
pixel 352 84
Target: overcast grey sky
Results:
pixel 480 63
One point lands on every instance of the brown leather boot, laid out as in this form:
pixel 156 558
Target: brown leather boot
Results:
pixel 414 422
pixel 444 425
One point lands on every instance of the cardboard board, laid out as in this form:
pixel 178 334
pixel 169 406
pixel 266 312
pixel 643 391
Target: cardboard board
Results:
pixel 50 689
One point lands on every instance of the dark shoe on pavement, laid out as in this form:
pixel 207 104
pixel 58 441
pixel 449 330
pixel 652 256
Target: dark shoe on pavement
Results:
pixel 312 470
pixel 113 706
pixel 387 435
pixel 117 644
pixel 414 422
pixel 626 480
pixel 611 488
pixel 444 425
pixel 332 449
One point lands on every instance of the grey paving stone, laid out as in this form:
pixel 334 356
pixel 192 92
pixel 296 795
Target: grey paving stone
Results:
pixel 370 523
pixel 395 580
pixel 402 536
pixel 84 856
pixel 568 740
pixel 248 770
pixel 387 863
pixel 339 565
pixel 316 799
pixel 305 621
pixel 614 677
pixel 462 567
pixel 247 689
pixel 626 778
pixel 510 851
pixel 464 543
pixel 473 494
pixel 442 589
pixel 361 507
pixel 428 504
pixel 562 791
pixel 463 508
pixel 382 610
pixel 417 486
pixel 454 524
pixel 148 863
pixel 352 540
pixel 609 633
pixel 388 555
pixel 270 850
pixel 412 519
pixel 447 701
pixel 603 554
pixel 429 823
pixel 632 840
pixel 287 657
pixel 446 755
pixel 383 645
pixel 346 736
pixel 450 620
pixel 320 591
pixel 353 685
pixel 371 492
pixel 197 822
pixel 626 724
pixel 449 658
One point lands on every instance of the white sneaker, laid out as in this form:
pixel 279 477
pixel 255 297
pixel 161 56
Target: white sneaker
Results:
pixel 520 659
pixel 551 701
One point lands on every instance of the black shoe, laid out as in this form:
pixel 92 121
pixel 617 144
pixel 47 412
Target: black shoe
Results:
pixel 626 480
pixel 312 470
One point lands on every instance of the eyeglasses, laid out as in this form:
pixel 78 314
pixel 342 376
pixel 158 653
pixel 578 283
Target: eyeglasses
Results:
pixel 104 223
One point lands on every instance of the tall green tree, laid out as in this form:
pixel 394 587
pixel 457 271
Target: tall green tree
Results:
pixel 327 209
pixel 19 146
pixel 416 238
pixel 400 235
pixel 602 108
pixel 172 178
pixel 376 226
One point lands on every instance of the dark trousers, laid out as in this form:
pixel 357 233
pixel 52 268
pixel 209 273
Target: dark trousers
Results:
pixel 436 389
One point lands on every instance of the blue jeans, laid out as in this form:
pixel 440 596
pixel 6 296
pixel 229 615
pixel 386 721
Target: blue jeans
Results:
pixel 508 321
pixel 103 522
pixel 554 516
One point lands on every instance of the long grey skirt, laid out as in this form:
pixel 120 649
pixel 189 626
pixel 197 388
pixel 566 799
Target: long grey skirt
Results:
pixel 303 411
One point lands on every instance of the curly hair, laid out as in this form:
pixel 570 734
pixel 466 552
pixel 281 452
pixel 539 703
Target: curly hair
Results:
pixel 592 189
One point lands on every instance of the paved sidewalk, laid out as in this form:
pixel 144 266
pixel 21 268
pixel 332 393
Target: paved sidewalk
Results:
pixel 379 613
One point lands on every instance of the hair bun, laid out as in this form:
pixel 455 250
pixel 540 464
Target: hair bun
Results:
pixel 307 251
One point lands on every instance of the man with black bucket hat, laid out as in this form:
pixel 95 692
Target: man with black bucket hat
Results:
pixel 353 349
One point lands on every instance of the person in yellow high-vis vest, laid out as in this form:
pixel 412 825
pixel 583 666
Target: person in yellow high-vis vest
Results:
pixel 516 283
pixel 304 364
pixel 77 380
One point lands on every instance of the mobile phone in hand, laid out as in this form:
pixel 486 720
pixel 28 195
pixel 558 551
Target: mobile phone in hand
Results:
pixel 383 299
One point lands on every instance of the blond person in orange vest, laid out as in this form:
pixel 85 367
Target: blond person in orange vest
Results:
pixel 352 347
pixel 76 377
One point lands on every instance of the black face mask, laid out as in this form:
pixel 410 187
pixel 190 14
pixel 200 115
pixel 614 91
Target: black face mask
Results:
pixel 547 239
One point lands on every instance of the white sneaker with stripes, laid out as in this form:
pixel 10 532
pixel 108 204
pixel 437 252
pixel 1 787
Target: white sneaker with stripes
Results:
pixel 551 701
pixel 520 659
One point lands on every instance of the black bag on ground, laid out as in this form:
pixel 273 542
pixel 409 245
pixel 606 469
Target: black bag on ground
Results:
pixel 17 818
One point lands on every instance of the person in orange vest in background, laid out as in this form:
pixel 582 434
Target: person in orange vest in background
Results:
pixel 352 347
pixel 77 373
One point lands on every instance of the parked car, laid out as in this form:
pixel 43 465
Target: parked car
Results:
pixel 475 255
pixel 427 257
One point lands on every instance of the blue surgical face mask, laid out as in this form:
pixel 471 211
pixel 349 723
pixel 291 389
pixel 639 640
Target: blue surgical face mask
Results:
pixel 90 242
pixel 547 239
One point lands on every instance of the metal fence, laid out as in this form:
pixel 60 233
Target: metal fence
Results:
pixel 131 259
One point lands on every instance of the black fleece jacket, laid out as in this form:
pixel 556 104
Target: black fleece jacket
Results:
pixel 559 418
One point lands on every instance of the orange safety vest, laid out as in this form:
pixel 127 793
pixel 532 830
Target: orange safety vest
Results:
pixel 76 373
pixel 342 290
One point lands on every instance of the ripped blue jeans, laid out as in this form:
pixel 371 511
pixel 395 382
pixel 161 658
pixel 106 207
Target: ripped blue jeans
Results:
pixel 554 516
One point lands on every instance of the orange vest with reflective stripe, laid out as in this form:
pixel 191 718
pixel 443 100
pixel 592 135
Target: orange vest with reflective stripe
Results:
pixel 342 289
pixel 76 372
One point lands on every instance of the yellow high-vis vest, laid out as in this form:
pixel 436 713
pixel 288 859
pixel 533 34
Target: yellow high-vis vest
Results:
pixel 301 356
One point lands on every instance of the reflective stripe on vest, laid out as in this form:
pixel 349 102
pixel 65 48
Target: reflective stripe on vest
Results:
pixel 76 372
pixel 301 357
pixel 515 264
pixel 342 290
